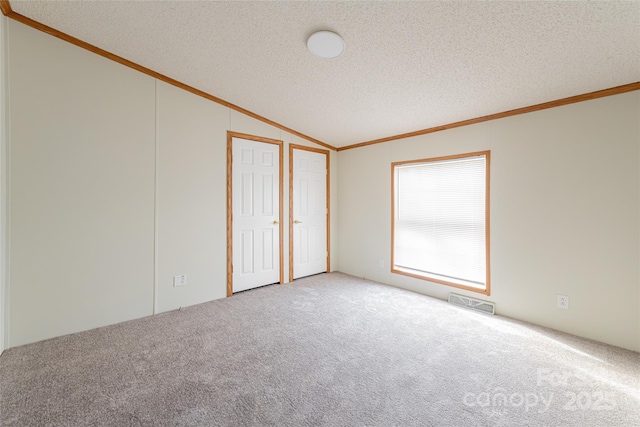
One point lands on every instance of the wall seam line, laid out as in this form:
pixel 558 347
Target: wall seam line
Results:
pixel 7 187
pixel 155 198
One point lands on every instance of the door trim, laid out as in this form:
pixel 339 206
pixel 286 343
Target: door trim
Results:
pixel 328 184
pixel 230 136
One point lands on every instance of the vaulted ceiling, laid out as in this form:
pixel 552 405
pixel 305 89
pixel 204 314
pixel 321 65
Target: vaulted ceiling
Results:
pixel 407 65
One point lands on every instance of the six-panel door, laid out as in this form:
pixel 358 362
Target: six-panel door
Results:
pixel 309 213
pixel 255 213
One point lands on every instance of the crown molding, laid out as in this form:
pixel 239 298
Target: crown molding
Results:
pixel 537 107
pixel 5 6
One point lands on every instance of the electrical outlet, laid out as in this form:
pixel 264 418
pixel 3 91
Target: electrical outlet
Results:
pixel 180 280
pixel 563 301
pixel 381 263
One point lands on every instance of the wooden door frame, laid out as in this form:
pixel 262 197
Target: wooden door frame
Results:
pixel 328 185
pixel 230 136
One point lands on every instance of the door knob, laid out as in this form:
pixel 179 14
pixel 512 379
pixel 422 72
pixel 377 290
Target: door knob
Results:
pixel 297 222
pixel 275 222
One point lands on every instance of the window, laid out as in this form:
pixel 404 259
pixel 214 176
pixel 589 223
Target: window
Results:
pixel 440 215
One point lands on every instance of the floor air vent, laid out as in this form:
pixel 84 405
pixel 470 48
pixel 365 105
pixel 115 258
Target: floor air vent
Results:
pixel 472 303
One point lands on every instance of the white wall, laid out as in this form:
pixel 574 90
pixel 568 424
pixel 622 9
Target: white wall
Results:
pixel 118 183
pixel 82 189
pixel 192 186
pixel 565 214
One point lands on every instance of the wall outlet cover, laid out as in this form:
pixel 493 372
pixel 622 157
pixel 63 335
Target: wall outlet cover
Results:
pixel 562 301
pixel 180 280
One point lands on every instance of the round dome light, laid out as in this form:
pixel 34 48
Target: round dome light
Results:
pixel 326 44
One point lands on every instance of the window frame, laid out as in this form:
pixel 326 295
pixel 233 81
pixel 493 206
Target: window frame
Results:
pixel 394 165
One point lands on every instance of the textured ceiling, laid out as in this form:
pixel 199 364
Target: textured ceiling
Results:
pixel 407 65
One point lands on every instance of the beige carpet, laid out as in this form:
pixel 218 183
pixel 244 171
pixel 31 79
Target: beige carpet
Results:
pixel 329 350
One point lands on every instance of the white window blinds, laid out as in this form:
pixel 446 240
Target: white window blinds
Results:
pixel 439 219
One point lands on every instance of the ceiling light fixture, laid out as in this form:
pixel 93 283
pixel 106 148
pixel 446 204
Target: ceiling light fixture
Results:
pixel 326 44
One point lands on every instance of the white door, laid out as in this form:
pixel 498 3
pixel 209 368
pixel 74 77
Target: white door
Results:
pixel 255 214
pixel 309 213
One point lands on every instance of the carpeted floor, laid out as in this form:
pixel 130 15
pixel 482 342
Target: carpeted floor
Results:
pixel 329 350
